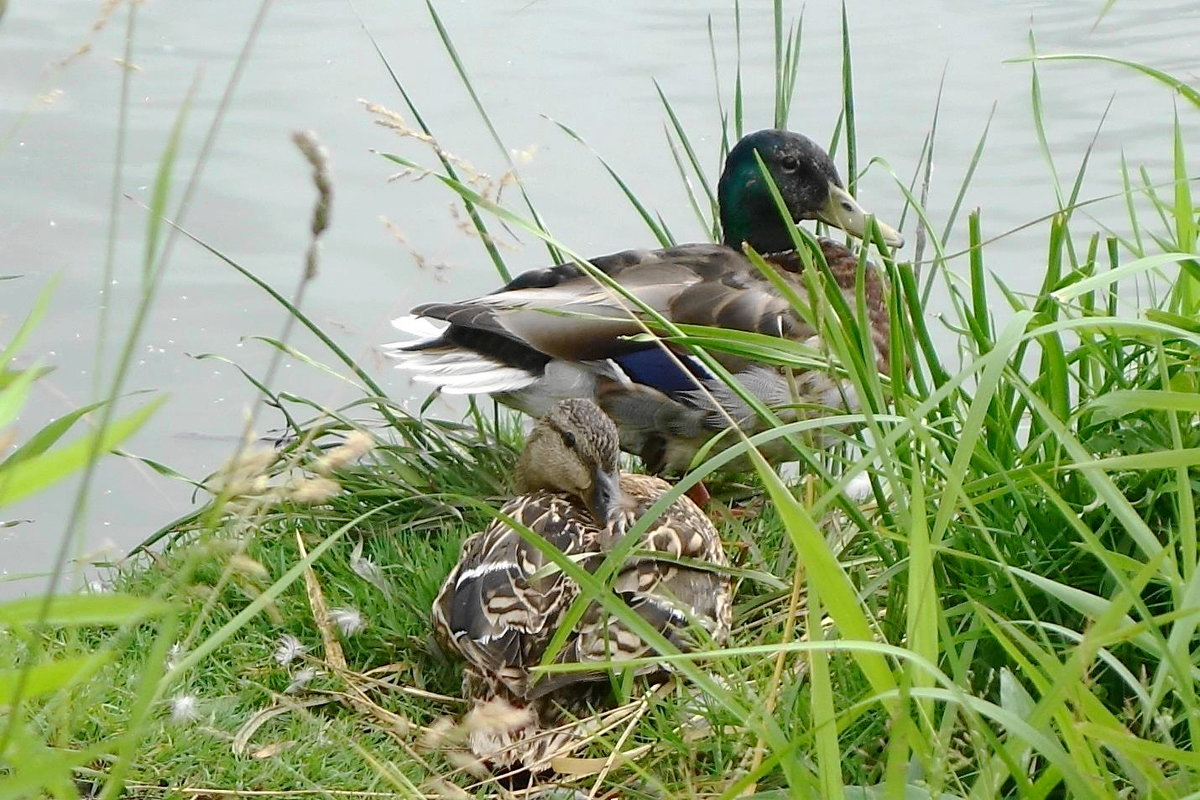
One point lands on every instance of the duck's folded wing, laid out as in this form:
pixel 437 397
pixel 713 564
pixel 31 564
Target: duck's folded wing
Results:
pixel 577 319
pixel 689 607
pixel 563 312
pixel 494 608
pixel 689 604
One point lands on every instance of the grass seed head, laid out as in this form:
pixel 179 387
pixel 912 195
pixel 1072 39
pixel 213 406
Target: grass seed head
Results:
pixel 357 444
pixel 440 787
pixel 239 562
pixel 496 715
pixel 246 474
pixel 444 732
pixel 312 491
pixel 468 763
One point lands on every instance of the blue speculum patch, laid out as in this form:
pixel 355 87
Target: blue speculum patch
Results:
pixel 655 367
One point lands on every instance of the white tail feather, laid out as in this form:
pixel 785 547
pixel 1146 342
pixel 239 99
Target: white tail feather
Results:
pixel 506 379
pixel 462 371
pixel 431 364
pixel 420 329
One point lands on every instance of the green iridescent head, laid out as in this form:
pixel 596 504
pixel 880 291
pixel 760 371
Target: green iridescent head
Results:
pixel 808 182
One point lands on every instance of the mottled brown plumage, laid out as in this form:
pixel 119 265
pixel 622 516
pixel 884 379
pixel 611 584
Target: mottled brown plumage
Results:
pixel 503 601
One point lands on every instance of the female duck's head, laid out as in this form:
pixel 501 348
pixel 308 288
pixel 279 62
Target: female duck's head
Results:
pixel 575 449
pixel 807 181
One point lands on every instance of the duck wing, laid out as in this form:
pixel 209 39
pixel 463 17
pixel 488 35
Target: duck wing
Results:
pixel 562 312
pixel 499 615
pixel 492 609
pixel 689 605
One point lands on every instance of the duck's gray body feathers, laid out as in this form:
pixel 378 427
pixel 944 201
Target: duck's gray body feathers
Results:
pixel 506 342
pixel 556 332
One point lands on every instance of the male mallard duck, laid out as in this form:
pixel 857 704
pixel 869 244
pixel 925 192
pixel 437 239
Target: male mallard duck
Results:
pixel 507 345
pixel 503 601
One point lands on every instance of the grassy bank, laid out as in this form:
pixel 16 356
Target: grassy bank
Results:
pixel 1005 604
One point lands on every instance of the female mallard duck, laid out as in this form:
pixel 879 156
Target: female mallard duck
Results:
pixel 665 404
pixel 502 603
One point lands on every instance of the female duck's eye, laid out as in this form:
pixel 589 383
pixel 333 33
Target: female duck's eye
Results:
pixel 789 164
pixel 568 439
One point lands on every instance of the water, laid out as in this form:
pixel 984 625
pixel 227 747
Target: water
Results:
pixel 589 67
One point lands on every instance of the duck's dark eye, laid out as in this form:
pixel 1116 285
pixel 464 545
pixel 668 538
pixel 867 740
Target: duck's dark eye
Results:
pixel 789 164
pixel 568 439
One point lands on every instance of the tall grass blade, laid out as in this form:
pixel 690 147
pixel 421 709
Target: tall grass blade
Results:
pixel 452 51
pixel 709 224
pixel 1123 272
pixel 14 394
pixel 693 161
pixel 35 473
pixel 976 157
pixel 50 677
pixel 114 201
pixel 924 173
pixel 1138 248
pixel 824 713
pixel 304 319
pixel 780 116
pixel 79 609
pixel 922 609
pixel 739 127
pixel 660 231
pixel 1186 300
pixel 1189 92
pixel 1039 124
pixel 159 194
pixel 476 220
pixel 848 106
pixel 826 576
pixel 48 435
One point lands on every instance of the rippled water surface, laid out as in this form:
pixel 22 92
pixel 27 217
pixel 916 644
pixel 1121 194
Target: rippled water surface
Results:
pixel 589 66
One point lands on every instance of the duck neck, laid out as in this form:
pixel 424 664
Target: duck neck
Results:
pixel 528 477
pixel 763 238
pixel 748 212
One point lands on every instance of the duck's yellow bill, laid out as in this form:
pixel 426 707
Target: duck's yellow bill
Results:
pixel 843 211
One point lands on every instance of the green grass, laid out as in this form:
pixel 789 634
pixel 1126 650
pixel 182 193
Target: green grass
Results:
pixel 1012 612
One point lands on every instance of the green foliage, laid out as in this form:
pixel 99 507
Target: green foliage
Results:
pixel 1011 611
pixel 29 766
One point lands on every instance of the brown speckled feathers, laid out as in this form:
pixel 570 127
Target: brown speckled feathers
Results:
pixel 499 615
pixel 505 599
